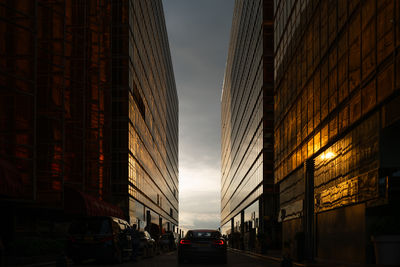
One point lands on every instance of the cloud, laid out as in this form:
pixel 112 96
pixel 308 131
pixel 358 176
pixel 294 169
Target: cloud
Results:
pixel 199 197
pixel 190 221
pixel 198 32
pixel 203 213
pixel 199 178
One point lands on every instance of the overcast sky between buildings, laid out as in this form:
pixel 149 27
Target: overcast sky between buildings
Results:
pixel 198 32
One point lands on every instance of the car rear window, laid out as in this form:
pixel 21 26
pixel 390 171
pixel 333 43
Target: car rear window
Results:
pixel 203 234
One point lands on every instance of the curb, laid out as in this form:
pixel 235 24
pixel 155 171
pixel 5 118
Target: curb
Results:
pixel 70 263
pixel 313 264
pixel 61 261
pixel 50 263
pixel 265 257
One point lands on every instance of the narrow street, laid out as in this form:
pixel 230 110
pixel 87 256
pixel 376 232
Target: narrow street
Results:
pixel 169 260
pixel 268 128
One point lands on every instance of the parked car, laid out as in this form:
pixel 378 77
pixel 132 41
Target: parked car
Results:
pixel 202 244
pixel 101 238
pixel 147 245
pixel 154 231
pixel 168 242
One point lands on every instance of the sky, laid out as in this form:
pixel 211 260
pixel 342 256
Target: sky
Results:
pixel 198 33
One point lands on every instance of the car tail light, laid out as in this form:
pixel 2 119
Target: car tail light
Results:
pixel 185 242
pixel 219 242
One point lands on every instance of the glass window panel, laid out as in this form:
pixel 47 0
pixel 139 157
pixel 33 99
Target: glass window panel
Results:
pixel 324 135
pixel 354 52
pixel 310 147
pixel 397 25
pixel 368 96
pixel 352 4
pixel 385 29
pixel 332 20
pixel 324 26
pixel 344 118
pixel 317 141
pixel 342 77
pixel 333 89
pixel 397 75
pixel 355 107
pixel 316 38
pixel 342 13
pixel 333 128
pixel 385 83
pixel 368 49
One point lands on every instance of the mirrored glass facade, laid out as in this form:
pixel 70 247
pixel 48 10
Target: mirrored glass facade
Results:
pixel 336 88
pixel 55 134
pixel 88 103
pixel 144 115
pixel 54 82
pixel 247 122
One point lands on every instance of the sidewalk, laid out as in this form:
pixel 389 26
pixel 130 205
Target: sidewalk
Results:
pixel 276 256
pixel 41 264
pixel 68 262
pixel 50 262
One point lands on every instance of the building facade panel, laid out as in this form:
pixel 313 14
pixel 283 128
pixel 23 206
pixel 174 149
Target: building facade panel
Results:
pixel 335 64
pixel 88 108
pixel 244 140
pixel 147 124
pixel 53 91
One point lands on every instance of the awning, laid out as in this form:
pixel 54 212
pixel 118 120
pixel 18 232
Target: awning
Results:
pixel 10 180
pixel 79 203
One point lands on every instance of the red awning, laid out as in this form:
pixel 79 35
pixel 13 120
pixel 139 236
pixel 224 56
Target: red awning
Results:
pixel 82 204
pixel 10 180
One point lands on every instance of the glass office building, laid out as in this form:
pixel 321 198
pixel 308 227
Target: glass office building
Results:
pixel 336 117
pixel 144 168
pixel 248 197
pixel 53 116
pixel 55 133
pixel 88 111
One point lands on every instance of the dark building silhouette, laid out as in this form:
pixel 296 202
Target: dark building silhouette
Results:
pixel 54 84
pixel 336 120
pixel 88 114
pixel 248 195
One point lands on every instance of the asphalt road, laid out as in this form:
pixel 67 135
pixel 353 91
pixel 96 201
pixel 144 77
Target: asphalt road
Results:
pixel 170 260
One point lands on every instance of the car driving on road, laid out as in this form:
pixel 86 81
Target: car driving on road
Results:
pixel 202 244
